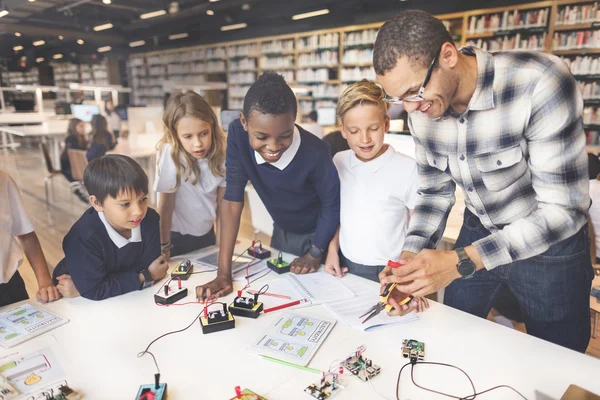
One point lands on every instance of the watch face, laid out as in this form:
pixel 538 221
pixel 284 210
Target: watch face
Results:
pixel 466 268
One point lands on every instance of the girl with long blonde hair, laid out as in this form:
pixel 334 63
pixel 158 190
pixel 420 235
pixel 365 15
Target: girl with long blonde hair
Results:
pixel 190 174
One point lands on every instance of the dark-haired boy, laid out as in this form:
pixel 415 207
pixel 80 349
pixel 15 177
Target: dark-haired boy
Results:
pixel 292 172
pixel 114 248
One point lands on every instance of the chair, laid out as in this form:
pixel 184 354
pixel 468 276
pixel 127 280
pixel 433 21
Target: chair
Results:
pixel 78 161
pixel 50 168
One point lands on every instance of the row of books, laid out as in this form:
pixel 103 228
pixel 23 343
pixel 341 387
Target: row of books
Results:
pixel 583 65
pixel 514 42
pixel 590 90
pixel 578 14
pixel 576 40
pixel 508 20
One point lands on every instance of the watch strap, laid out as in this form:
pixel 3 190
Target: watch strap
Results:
pixel 462 254
pixel 148 281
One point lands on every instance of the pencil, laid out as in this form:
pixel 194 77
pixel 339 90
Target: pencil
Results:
pixel 286 305
pixel 316 371
pixel 281 296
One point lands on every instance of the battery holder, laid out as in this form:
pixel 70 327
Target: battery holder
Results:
pixel 217 320
pixel 278 265
pixel 170 295
pixel 248 307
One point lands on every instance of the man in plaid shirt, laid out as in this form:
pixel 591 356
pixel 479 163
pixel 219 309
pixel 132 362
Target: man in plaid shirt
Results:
pixel 507 129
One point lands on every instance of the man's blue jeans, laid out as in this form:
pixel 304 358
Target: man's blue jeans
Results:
pixel 552 289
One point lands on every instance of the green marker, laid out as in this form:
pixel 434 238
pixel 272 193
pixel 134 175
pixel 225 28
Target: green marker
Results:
pixel 316 371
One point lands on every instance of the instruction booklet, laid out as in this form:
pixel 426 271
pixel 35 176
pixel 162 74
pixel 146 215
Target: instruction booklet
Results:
pixel 294 338
pixel 23 321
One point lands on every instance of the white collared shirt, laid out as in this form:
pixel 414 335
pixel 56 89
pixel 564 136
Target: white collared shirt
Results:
pixel 287 156
pixel 195 205
pixel 117 239
pixel 375 198
pixel 13 222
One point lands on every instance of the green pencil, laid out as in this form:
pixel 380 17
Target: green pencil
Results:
pixel 316 371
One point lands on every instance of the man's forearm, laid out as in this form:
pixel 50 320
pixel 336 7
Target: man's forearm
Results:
pixel 33 251
pixel 230 214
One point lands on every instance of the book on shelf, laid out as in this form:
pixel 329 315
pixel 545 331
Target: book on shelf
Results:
pixel 507 20
pixel 577 14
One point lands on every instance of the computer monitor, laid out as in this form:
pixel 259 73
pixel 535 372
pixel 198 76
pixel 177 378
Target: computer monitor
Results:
pixel 228 116
pixel 24 105
pixel 84 112
pixel 327 116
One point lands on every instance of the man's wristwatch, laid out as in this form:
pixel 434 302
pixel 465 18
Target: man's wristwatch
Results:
pixel 148 281
pixel 315 252
pixel 466 267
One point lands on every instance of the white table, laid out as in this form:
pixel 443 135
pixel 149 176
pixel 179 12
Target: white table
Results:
pixel 100 343
pixel 51 131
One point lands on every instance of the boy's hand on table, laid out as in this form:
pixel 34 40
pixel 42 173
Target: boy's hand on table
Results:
pixel 306 264
pixel 66 287
pixel 47 291
pixel 158 268
pixel 220 286
pixel 332 265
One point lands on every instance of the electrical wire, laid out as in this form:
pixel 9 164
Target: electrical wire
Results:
pixel 469 397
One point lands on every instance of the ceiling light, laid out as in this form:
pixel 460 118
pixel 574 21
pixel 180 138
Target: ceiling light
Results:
pixel 178 36
pixel 80 41
pixel 311 14
pixel 31 1
pixel 137 43
pixel 57 56
pixel 106 1
pixel 104 49
pixel 61 37
pixel 39 42
pixel 3 13
pixel 153 14
pixel 17 34
pixel 40 59
pixel 234 26
pixel 245 7
pixel 213 1
pixel 17 48
pixel 210 12
pixel 103 27
pixel 173 7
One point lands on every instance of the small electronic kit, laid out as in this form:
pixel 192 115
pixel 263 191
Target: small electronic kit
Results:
pixel 183 271
pixel 258 251
pixel 326 388
pixel 156 391
pixel 413 349
pixel 216 320
pixel 247 306
pixel 246 394
pixel 278 265
pixel 361 366
pixel 169 295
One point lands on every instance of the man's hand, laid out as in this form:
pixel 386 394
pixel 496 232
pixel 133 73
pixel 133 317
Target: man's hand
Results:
pixel 405 257
pixel 220 286
pixel 417 304
pixel 332 265
pixel 66 287
pixel 158 268
pixel 167 253
pixel 306 264
pixel 47 291
pixel 427 272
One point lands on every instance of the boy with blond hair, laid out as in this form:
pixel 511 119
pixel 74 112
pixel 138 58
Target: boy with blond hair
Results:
pixel 378 189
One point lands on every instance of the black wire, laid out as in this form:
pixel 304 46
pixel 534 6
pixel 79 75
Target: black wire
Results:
pixel 265 287
pixel 262 276
pixel 469 397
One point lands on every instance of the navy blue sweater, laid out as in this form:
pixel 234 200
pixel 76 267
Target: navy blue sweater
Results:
pixel 98 268
pixel 303 198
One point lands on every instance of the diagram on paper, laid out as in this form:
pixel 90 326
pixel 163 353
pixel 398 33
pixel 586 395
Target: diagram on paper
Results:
pixel 282 346
pixel 305 327
pixel 23 320
pixel 31 372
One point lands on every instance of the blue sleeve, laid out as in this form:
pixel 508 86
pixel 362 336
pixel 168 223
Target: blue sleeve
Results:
pixel 236 176
pixel 85 263
pixel 327 183
pixel 150 240
pixel 111 144
pixel 95 151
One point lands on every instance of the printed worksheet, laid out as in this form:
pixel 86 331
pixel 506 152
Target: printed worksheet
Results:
pixel 31 372
pixel 23 321
pixel 294 338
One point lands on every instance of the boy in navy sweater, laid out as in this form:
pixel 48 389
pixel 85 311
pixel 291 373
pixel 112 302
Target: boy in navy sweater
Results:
pixel 114 248
pixel 292 172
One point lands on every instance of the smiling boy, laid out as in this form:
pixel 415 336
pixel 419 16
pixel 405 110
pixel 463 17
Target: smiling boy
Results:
pixel 114 248
pixel 292 172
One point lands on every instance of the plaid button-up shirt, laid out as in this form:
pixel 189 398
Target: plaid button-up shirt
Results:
pixel 518 153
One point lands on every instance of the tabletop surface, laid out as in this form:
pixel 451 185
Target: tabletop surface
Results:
pixel 99 347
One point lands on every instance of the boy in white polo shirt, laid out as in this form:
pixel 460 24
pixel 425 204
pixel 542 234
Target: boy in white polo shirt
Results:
pixel 17 236
pixel 378 187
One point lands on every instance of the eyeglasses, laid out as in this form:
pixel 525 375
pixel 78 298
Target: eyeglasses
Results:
pixel 419 95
